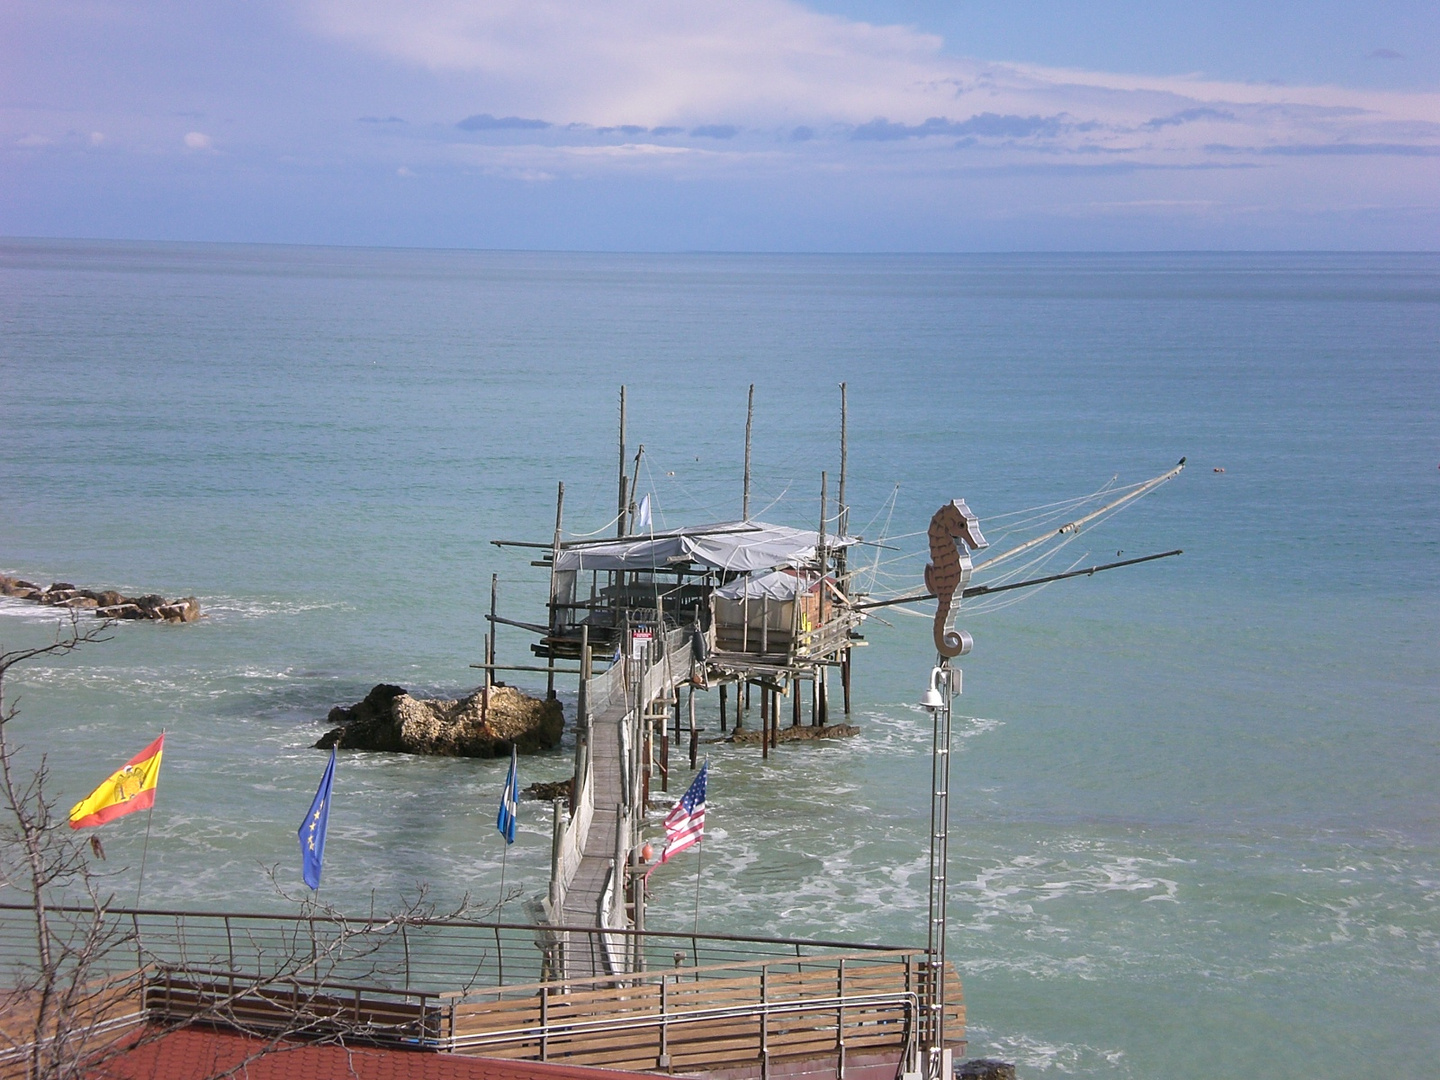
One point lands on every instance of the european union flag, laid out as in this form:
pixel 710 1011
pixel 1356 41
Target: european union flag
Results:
pixel 312 829
pixel 510 800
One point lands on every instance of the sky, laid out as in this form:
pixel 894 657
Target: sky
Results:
pixel 746 125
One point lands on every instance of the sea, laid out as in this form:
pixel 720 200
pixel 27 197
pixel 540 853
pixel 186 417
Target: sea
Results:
pixel 1194 828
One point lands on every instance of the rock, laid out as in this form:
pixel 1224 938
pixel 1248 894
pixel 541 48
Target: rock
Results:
pixel 549 792
pixel 390 719
pixel 186 610
pixel 368 724
pixel 108 603
pixel 751 736
pixel 984 1069
pixel 150 604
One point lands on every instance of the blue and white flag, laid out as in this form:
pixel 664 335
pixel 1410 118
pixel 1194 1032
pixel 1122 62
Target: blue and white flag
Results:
pixel 505 821
pixel 312 829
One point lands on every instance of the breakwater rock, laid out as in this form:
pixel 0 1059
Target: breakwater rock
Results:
pixel 751 736
pixel 390 719
pixel 107 603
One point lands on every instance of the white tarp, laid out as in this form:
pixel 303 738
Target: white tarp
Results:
pixel 740 546
pixel 777 585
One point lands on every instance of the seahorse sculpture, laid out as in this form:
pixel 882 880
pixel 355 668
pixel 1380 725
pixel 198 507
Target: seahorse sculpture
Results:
pixel 954 533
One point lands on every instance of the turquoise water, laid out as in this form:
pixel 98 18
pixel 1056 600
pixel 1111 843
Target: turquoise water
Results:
pixel 1195 825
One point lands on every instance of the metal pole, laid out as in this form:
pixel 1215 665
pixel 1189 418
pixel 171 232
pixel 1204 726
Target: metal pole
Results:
pixel 939 865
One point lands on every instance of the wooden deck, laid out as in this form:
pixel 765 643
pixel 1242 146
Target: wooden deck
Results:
pixel 741 1022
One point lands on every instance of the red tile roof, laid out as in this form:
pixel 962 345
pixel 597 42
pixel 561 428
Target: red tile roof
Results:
pixel 199 1053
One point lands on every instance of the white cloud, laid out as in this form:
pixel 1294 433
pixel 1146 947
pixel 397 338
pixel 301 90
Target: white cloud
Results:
pixel 195 140
pixel 773 65
pixel 96 138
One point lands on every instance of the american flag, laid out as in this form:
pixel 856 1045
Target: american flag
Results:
pixel 685 823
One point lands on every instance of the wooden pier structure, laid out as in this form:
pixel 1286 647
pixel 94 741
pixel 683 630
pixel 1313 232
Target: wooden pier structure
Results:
pixel 743 606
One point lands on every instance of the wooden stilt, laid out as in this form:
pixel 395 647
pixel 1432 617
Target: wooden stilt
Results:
pixel 722 706
pixel 764 723
pixel 795 701
pixel 694 731
pixel 824 696
pixel 845 678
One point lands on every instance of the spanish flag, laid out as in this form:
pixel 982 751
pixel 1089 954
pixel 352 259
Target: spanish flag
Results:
pixel 129 789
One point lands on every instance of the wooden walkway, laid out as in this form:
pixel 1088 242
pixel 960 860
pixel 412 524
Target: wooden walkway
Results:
pixel 595 895
pixel 586 898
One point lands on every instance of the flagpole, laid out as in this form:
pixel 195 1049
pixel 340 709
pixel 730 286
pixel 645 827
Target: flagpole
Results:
pixel 699 855
pixel 504 855
pixel 145 847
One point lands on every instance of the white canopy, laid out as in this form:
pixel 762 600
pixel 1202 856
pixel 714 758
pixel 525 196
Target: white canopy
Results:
pixel 776 584
pixel 741 546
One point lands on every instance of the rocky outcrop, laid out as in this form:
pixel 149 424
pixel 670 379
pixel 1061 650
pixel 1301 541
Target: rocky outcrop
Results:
pixel 390 719
pixel 751 736
pixel 984 1069
pixel 108 604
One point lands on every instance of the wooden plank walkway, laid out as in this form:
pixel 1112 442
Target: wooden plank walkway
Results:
pixel 585 955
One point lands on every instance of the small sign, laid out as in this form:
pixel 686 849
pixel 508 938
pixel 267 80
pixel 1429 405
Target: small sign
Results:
pixel 640 643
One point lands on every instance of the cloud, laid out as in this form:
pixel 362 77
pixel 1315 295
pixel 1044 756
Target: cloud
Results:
pixel 196 140
pixel 486 122
pixel 379 120
pixel 1386 54
pixel 1187 116
pixel 751 70
pixel 987 125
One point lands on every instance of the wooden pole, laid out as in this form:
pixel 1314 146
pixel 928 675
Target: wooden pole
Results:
pixel 824 695
pixel 764 723
pixel 815 697
pixel 774 717
pixel 634 485
pixel 820 553
pixel 842 525
pixel 485 688
pixel 795 700
pixel 722 706
pixel 694 731
pixel 749 422
pixel 845 677
pixel 554 558
pixel 623 501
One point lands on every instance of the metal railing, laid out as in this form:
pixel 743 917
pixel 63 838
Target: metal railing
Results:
pixel 415 954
